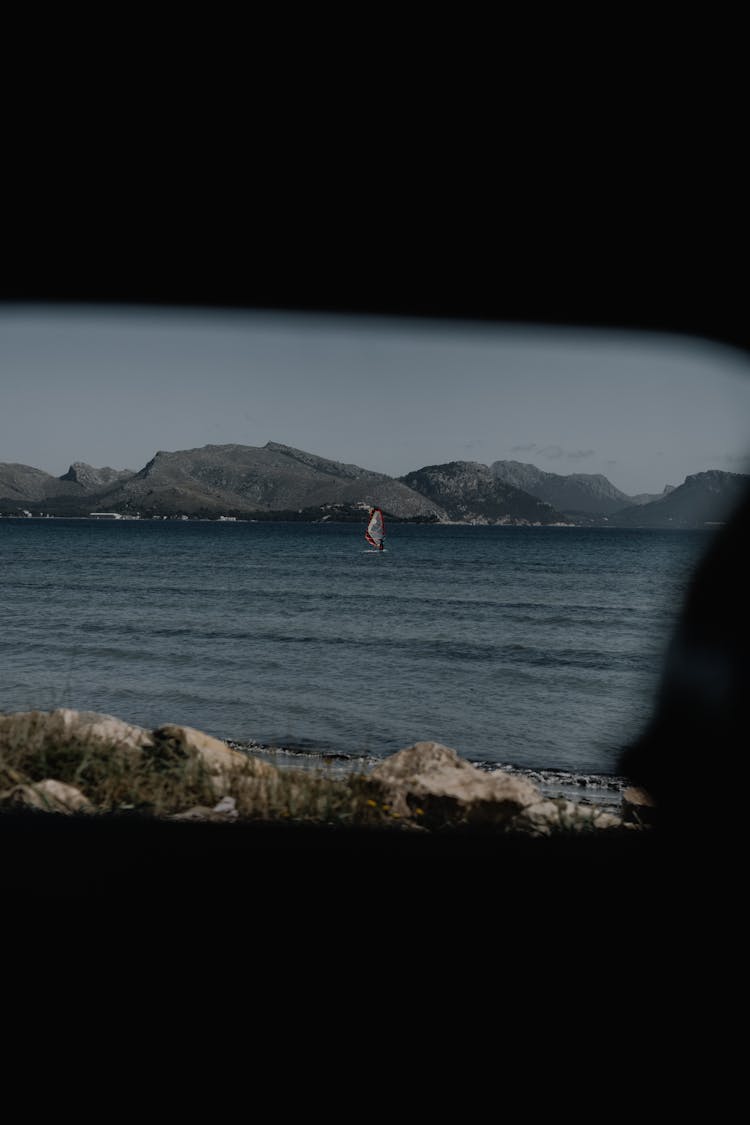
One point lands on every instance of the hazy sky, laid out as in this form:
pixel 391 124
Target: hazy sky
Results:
pixel 111 387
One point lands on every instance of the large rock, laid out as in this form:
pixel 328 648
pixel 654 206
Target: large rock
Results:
pixel 48 727
pixel 103 728
pixel 222 762
pixel 431 782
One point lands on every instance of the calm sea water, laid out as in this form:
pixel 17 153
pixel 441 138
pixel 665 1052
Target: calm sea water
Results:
pixel 538 648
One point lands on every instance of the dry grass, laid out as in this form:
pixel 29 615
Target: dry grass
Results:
pixel 113 777
pixel 165 781
pixel 312 796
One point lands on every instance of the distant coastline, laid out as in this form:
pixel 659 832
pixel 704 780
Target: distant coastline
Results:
pixel 283 517
pixel 232 483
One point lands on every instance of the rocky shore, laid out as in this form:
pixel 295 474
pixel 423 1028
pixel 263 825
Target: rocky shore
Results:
pixel 67 762
pixel 120 841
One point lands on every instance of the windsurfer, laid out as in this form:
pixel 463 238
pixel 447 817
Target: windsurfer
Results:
pixel 375 533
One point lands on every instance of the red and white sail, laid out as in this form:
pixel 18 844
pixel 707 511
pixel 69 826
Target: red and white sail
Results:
pixel 375 533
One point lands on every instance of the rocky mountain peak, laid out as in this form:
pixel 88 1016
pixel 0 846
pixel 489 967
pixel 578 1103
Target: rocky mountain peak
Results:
pixel 89 477
pixel 470 492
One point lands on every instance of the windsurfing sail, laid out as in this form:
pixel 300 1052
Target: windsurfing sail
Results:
pixel 375 533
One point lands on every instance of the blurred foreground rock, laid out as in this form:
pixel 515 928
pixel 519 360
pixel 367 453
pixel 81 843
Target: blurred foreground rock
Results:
pixel 638 807
pixel 49 796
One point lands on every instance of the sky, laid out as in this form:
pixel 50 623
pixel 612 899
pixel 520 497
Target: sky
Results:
pixel 112 386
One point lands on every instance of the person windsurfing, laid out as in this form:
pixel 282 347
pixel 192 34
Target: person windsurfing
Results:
pixel 375 533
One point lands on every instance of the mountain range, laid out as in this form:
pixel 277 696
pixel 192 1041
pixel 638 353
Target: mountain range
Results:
pixel 582 493
pixel 278 481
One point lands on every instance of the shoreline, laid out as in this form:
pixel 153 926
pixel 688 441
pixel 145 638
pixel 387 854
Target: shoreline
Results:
pixel 605 525
pixel 587 787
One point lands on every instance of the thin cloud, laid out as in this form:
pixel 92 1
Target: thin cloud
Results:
pixel 523 448
pixel 556 453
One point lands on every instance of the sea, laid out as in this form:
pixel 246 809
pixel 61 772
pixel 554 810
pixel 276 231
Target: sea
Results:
pixel 532 649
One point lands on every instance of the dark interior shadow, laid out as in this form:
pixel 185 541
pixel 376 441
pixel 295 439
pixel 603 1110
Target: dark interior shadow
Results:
pixel 692 756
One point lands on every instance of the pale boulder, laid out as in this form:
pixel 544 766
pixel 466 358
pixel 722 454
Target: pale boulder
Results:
pixel 222 762
pixel 104 728
pixel 430 781
pixel 86 726
pixel 49 796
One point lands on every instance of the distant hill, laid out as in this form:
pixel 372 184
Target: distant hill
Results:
pixel 22 483
pixel 278 481
pixel 704 499
pixel 471 493
pixel 590 493
pixel 649 497
pixel 242 480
